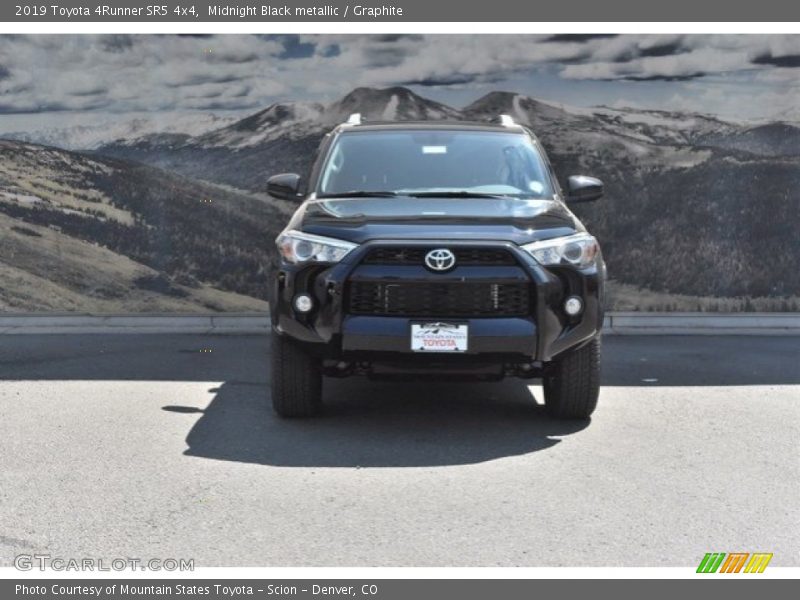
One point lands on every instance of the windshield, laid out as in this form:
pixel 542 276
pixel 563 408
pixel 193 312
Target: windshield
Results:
pixel 435 162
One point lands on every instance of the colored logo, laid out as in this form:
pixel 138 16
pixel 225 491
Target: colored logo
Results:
pixel 734 562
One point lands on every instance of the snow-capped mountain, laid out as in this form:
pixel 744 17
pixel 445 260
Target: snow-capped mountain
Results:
pixel 389 104
pixel 283 136
pixel 651 126
pixel 771 139
pixel 89 137
pixel 523 109
pixel 289 120
pixel 676 182
pixel 686 194
pixel 792 115
pixel 295 120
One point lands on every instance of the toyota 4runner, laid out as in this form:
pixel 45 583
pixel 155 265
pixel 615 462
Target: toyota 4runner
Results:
pixel 436 249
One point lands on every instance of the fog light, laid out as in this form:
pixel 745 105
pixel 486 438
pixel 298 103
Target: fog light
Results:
pixel 573 306
pixel 303 303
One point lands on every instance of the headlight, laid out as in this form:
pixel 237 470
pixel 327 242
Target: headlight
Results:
pixel 297 247
pixel 577 250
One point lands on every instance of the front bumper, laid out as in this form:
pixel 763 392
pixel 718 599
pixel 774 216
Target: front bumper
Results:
pixel 393 334
pixel 538 336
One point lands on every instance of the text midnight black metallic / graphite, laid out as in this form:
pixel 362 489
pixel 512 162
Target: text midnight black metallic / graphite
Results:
pixel 500 11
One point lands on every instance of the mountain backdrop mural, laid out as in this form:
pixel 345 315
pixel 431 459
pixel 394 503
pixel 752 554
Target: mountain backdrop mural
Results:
pixel 702 212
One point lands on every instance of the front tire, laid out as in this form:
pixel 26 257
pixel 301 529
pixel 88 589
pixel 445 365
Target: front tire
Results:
pixel 572 385
pixel 296 379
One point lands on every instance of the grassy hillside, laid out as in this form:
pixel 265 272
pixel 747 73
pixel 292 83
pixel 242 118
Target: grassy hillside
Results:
pixel 45 270
pixel 67 214
pixel 725 227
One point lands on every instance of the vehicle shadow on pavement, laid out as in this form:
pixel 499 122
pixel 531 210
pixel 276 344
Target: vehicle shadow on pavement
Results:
pixel 375 424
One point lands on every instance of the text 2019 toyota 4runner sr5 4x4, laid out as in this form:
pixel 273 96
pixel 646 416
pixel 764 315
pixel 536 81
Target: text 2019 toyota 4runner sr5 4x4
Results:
pixel 436 249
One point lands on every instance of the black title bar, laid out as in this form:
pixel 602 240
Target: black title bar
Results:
pixel 193 11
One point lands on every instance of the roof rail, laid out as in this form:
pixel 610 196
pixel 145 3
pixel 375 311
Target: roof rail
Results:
pixel 354 119
pixel 507 121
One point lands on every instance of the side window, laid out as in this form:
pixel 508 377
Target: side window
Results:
pixel 318 160
pixel 332 168
pixel 548 174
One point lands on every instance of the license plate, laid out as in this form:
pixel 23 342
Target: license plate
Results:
pixel 439 337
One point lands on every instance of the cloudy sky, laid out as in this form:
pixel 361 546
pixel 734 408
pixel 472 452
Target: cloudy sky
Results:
pixel 61 78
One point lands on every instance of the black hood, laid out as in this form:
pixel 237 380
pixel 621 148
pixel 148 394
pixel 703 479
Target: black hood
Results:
pixel 508 219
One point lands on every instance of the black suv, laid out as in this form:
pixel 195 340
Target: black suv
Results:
pixel 436 249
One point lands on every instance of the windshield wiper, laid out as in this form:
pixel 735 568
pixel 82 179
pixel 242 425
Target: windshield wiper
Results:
pixel 361 194
pixel 456 194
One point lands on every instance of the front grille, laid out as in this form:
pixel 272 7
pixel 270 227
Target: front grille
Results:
pixel 403 255
pixel 453 299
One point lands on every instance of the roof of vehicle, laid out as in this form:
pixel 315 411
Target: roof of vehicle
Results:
pixel 433 125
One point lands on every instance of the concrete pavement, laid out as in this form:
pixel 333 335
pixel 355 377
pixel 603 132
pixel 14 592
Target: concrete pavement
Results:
pixel 164 446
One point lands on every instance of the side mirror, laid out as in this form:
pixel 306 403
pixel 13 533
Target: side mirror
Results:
pixel 582 188
pixel 284 186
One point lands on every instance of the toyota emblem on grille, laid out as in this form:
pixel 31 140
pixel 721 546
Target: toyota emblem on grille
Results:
pixel 440 259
